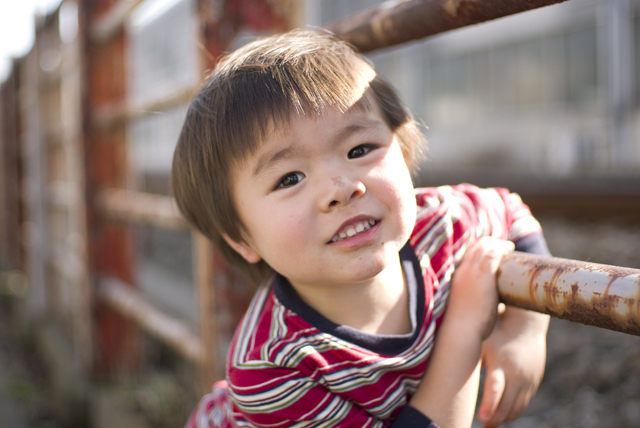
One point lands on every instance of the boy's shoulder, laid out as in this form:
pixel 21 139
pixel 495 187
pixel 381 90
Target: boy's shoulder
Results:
pixel 462 211
pixel 256 331
pixel 460 192
pixel 456 200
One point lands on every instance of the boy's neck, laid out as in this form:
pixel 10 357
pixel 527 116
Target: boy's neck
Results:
pixel 377 306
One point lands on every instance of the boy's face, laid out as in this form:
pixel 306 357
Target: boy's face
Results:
pixel 326 199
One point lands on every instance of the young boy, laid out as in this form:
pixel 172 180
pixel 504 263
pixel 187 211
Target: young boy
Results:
pixel 294 160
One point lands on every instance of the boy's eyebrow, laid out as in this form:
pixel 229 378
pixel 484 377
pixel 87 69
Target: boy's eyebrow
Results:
pixel 268 158
pixel 355 128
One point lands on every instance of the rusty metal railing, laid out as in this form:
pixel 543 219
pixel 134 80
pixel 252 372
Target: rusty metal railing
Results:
pixel 588 293
pixel 132 207
pixel 394 22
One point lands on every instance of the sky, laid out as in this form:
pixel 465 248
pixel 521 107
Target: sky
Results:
pixel 17 28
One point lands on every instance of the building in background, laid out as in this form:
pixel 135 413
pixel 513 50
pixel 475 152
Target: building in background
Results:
pixel 548 92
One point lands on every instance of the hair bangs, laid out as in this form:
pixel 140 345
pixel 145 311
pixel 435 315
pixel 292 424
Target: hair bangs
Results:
pixel 254 91
pixel 267 90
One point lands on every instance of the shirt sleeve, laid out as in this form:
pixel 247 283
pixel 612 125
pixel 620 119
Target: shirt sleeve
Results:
pixel 524 229
pixel 213 410
pixel 534 244
pixel 412 418
pixel 498 212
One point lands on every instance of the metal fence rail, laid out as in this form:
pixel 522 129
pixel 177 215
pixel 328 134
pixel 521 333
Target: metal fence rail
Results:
pixel 396 22
pixel 588 293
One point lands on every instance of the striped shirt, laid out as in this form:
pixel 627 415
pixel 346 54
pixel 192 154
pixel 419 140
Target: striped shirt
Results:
pixel 288 366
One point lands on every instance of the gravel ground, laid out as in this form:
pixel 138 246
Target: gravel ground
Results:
pixel 592 377
pixel 25 398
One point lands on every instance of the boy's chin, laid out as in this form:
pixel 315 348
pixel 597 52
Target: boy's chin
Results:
pixel 367 272
pixel 347 276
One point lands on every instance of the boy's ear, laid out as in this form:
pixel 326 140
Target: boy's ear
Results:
pixel 244 249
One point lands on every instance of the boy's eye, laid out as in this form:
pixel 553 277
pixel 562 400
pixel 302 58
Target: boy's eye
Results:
pixel 290 179
pixel 359 151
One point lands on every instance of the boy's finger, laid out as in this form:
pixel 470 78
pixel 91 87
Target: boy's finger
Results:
pixel 494 252
pixel 505 410
pixel 521 403
pixel 494 384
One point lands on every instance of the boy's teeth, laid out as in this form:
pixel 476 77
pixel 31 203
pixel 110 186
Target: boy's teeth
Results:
pixel 352 231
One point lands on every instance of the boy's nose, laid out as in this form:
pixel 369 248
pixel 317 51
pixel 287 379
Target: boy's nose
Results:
pixel 341 191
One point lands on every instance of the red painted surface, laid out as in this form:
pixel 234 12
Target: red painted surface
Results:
pixel 101 7
pixel 260 16
pixel 12 217
pixel 232 292
pixel 110 245
pixel 107 82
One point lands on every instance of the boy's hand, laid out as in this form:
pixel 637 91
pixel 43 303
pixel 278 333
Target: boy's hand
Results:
pixel 449 389
pixel 474 296
pixel 514 356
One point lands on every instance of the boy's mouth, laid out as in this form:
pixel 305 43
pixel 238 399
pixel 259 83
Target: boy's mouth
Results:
pixel 353 230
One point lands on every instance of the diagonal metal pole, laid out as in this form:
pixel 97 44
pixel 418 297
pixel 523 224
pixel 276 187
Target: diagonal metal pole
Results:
pixel 397 21
pixel 589 293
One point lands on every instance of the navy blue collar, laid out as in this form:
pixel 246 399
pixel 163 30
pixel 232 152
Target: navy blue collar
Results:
pixel 378 343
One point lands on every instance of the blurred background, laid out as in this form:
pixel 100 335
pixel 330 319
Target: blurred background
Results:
pixel 114 313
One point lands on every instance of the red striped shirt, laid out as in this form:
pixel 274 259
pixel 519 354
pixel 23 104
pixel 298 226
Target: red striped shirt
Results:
pixel 290 367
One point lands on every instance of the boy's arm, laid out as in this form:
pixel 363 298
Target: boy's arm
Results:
pixel 514 355
pixel 448 391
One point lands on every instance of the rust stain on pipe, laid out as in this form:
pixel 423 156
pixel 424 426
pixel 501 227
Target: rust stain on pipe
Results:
pixel 588 293
pixel 399 21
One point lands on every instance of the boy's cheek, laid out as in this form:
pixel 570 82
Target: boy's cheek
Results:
pixel 285 236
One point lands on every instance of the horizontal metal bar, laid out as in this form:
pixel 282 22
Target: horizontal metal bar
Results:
pixel 107 26
pixel 131 304
pixel 109 115
pixel 143 208
pixel 63 193
pixel 589 293
pixel 394 22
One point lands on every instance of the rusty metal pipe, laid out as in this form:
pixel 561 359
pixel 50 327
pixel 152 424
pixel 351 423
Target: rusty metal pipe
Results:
pixel 589 293
pixel 396 21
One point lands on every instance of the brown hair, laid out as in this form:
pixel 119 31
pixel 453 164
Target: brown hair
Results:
pixel 252 90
